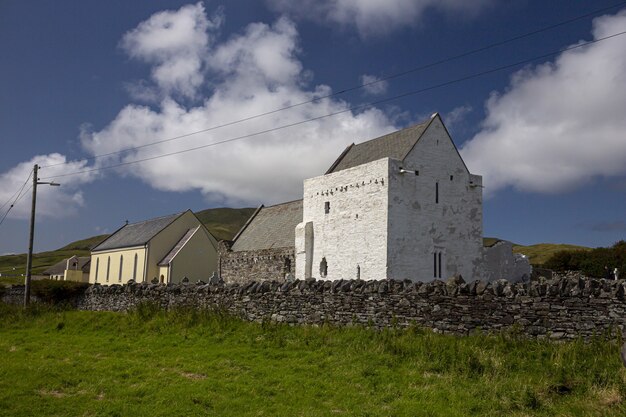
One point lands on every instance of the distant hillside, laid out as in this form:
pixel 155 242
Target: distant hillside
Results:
pixel 541 252
pixel 223 223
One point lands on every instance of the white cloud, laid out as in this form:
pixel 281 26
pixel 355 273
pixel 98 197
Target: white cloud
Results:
pixel 373 86
pixel 558 124
pixel 373 17
pixel 175 42
pixel 60 201
pixel 457 115
pixel 250 73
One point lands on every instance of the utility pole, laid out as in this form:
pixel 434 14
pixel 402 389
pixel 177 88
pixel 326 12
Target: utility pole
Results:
pixel 29 258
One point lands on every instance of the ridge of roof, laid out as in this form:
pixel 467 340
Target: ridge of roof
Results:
pixel 395 145
pixel 136 234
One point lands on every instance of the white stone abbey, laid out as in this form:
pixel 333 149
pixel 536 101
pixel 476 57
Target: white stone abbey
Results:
pixel 401 206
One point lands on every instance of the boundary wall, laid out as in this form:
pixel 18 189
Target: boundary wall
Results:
pixel 561 308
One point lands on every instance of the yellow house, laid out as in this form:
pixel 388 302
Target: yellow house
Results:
pixel 72 269
pixel 165 250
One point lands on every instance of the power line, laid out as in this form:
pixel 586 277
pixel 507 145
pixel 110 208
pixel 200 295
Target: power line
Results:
pixel 18 191
pixel 410 93
pixel 19 195
pixel 17 200
pixel 357 87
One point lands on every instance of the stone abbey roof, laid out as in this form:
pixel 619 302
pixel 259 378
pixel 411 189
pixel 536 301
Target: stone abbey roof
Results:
pixel 270 227
pixel 394 145
pixel 136 234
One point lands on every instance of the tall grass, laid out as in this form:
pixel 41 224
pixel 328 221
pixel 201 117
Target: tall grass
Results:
pixel 197 362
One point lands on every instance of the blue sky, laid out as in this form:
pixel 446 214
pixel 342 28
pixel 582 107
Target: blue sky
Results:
pixel 86 78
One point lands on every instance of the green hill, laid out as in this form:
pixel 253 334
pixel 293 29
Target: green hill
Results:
pixel 223 223
pixel 541 252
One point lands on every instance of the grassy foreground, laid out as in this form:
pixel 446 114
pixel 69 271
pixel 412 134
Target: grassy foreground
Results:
pixel 187 363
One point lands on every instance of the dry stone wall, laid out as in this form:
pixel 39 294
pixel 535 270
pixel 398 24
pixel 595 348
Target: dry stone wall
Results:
pixel 261 265
pixel 561 308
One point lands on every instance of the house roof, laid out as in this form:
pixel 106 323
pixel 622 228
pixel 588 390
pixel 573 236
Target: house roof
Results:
pixel 178 246
pixel 270 227
pixel 394 145
pixel 136 234
pixel 84 263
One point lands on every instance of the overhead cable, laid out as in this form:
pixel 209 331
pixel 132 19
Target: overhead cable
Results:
pixel 348 109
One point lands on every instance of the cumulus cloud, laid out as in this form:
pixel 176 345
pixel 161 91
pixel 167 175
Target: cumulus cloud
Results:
pixel 457 115
pixel 559 124
pixel 250 73
pixel 175 43
pixel 373 86
pixel 373 17
pixel 51 201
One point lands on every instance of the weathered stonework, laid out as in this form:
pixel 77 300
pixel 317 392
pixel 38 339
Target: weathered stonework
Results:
pixel 418 217
pixel 562 308
pixel 259 265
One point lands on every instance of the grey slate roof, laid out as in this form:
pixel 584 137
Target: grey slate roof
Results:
pixel 393 145
pixel 178 246
pixel 136 234
pixel 84 262
pixel 271 227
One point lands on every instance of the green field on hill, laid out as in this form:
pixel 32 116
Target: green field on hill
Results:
pixel 188 363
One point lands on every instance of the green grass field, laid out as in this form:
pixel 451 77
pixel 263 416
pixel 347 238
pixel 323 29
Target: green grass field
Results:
pixel 188 363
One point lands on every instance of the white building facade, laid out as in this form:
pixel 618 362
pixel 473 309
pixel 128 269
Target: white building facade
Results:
pixel 402 206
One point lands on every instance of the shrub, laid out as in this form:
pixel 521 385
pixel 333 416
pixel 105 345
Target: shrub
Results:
pixel 57 292
pixel 591 262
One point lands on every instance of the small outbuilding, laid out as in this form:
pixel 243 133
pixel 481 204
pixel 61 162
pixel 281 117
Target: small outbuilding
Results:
pixel 75 268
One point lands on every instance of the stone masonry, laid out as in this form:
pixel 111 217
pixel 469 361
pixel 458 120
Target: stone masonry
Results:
pixel 562 308
pixel 260 265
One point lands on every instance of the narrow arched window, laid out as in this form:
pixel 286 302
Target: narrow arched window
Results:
pixel 323 268
pixel 135 268
pixel 119 277
pixel 108 267
pixel 287 265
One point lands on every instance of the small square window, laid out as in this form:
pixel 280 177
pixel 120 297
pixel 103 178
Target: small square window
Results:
pixel 417 172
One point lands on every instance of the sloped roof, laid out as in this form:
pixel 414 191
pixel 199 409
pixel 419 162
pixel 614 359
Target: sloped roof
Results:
pixel 84 263
pixel 136 234
pixel 394 145
pixel 270 227
pixel 182 242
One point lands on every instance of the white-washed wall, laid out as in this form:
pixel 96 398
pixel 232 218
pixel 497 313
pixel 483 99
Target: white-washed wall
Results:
pixel 419 226
pixel 352 236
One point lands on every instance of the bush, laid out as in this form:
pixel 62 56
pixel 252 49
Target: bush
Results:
pixel 57 292
pixel 591 262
